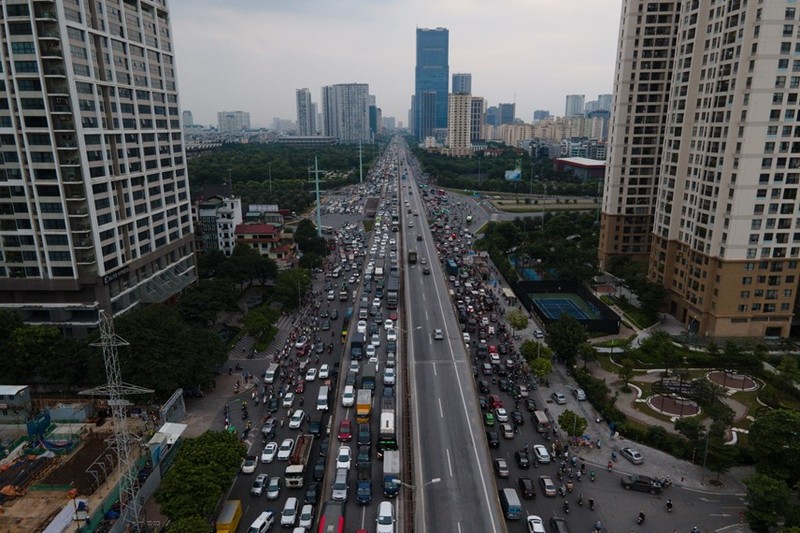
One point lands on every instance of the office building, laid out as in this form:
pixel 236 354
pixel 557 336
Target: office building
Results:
pixel 477 119
pixel 345 112
pixel 507 113
pixel 188 119
pixel 702 178
pixel 233 121
pixel 604 102
pixel 305 113
pixel 462 83
pixel 575 105
pixel 493 116
pixel 540 114
pixel 459 112
pixel 431 76
pixel 94 198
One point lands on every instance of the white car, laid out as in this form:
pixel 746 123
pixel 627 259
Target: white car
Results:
pixel 324 371
pixel 258 485
pixel 268 454
pixel 285 449
pixel 331 295
pixel 535 524
pixel 249 464
pixel 375 340
pixel 370 351
pixel 388 324
pixel 311 374
pixel 301 342
pixel 377 363
pixel 297 419
pixel 542 456
pixel 391 334
pixel 288 399
pixel 343 458
pixel 438 335
pixel 501 414
pixel 306 517
pixel 354 366
pixel 289 513
pixel 361 327
pixel 385 518
pixel 388 376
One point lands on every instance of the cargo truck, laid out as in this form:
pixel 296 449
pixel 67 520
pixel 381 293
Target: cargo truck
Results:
pixel 368 376
pixel 357 346
pixel 392 290
pixel 363 406
pixel 299 461
pixel 391 473
pixel 412 257
pixel 229 517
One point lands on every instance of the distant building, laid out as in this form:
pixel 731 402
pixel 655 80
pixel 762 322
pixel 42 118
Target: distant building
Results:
pixel 15 404
pixel 459 110
pixel 305 113
pixel 307 142
pixel 188 119
pixel 477 119
pixel 431 75
pixel 493 116
pixel 462 83
pixel 233 121
pixel 575 105
pixel 269 241
pixel 540 114
pixel 584 169
pixel 508 113
pixel 345 111
pixel 217 218
pixel 425 117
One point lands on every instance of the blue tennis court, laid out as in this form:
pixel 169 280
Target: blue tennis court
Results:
pixel 553 308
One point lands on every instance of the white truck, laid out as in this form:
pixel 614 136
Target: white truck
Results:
pixel 299 461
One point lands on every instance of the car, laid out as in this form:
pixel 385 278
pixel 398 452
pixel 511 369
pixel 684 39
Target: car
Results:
pixel 493 439
pixel 488 418
pixel 343 457
pixel 388 376
pixel 299 386
pixel 516 418
pixel 426 270
pixel 391 346
pixel 385 518
pixel 306 517
pixel 363 454
pixel 334 314
pixel 535 524
pixel 495 401
pixel 312 494
pixel 324 371
pixel 297 419
pixel 642 483
pixel 501 414
pixel 371 351
pixel 559 398
pixel 501 467
pixel 388 324
pixel 541 454
pixel 391 334
pixel 268 429
pixel 548 487
pixel 354 366
pixel 301 342
pixel 526 488
pixel 523 458
pixel 437 334
pixel 285 449
pixel 487 369
pixel 374 360
pixel 424 260
pixel 258 485
pixel 373 329
pixel 361 327
pixel 419 237
pixel 319 469
pixel 263 522
pixel 483 386
pixel 523 391
pixel 579 394
pixel 319 349
pixel 345 431
pixel 393 315
pixel 375 340
pixel 311 374
pixel 274 488
pixel 288 399
pixel 364 435
pixel 324 444
pixel 331 295
pixel 632 455
pixel 483 403
pixel 289 513
pixel 268 454
pixel 249 464
pixel 530 405
pixel 507 430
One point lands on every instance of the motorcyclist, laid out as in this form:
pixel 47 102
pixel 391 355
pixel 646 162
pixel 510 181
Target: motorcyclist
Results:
pixel 669 506
pixel 566 506
pixel 591 504
pixel 640 518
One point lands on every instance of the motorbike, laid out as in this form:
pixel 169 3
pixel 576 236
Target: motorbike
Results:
pixel 614 456
pixel 562 490
pixel 610 466
pixel 566 506
pixel 591 475
pixel 591 504
pixel 580 500
pixel 238 366
pixel 640 518
pixel 570 485
pixel 669 506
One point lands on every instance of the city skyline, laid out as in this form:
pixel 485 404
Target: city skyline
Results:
pixel 362 45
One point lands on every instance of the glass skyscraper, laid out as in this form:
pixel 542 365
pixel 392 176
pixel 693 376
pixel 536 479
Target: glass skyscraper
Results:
pixel 431 76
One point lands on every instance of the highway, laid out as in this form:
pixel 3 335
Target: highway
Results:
pixel 448 432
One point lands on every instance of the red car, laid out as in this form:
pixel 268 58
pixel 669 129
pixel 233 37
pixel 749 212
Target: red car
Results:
pixel 299 386
pixel 345 431
pixel 495 401
pixel 393 316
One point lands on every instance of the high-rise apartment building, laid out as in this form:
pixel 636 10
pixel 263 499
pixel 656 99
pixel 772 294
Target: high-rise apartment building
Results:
pixel 233 121
pixel 604 102
pixel 345 112
pixel 508 112
pixel 459 111
pixel 477 119
pixel 540 114
pixel 188 119
pixel 305 113
pixel 702 179
pixel 94 196
pixel 462 83
pixel 575 105
pixel 431 76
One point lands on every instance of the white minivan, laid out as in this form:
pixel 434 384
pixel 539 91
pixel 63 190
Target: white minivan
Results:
pixel 289 513
pixel 349 396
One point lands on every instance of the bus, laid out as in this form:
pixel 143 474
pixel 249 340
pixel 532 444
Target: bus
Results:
pixel 387 436
pixel 332 518
pixel 542 422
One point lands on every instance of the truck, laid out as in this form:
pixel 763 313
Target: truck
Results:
pixel 363 405
pixel 451 267
pixel 368 377
pixel 412 257
pixel 378 274
pixel 357 346
pixel 229 517
pixel 348 315
pixel 392 291
pixel 299 461
pixel 391 473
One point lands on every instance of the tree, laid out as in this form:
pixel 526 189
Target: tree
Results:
pixel 659 346
pixel 789 368
pixel 259 323
pixel 767 501
pixel 208 263
pixel 290 286
pixel 572 423
pixel 517 319
pixel 529 350
pixel 776 446
pixel 541 367
pixel 190 524
pixel 565 335
pixel 586 353
pixel 625 373
pixel 720 457
pixel 651 297
pixel 201 303
pixel 694 431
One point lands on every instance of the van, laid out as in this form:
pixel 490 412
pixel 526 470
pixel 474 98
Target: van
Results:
pixel 323 397
pixel 271 373
pixel 263 523
pixel 339 493
pixel 509 502
pixel 558 525
pixel 349 396
pixel 289 513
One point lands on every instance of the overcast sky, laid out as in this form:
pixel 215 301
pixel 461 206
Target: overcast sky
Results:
pixel 251 55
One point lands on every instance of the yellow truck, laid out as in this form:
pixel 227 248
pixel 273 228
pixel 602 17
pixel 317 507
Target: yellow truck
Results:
pixel 229 517
pixel 363 405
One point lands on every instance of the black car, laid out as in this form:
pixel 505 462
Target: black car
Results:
pixel 493 438
pixel 334 314
pixel 272 405
pixel 483 386
pixel 530 404
pixel 363 454
pixel 516 418
pixel 323 446
pixel 320 348
pixel 487 369
pixel 483 402
pixel 523 459
pixel 391 346
pixel 388 392
pixel 502 370
pixel 526 488
pixel 364 435
pixel 505 385
pixel 319 469
pixel 324 313
pixel 312 493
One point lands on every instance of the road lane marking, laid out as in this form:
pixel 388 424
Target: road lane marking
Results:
pixel 435 374
pixel 441 413
pixel 449 462
pixel 426 316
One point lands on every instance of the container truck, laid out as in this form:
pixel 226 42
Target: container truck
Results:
pixel 412 257
pixel 391 473
pixel 357 346
pixel 363 406
pixel 392 290
pixel 368 376
pixel 299 461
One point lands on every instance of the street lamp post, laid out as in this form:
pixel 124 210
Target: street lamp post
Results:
pixel 413 488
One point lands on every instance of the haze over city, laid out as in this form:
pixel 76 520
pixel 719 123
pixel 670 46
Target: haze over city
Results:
pixel 253 55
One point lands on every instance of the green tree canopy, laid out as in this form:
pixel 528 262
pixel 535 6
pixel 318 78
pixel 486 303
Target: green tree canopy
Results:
pixel 517 319
pixel 541 367
pixel 201 304
pixel 290 286
pixel 775 439
pixel 767 502
pixel 572 423
pixel 659 346
pixel 625 372
pixel 565 336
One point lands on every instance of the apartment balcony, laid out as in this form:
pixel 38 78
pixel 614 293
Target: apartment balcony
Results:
pixel 79 225
pixel 71 175
pixel 75 209
pixel 83 242
pixel 62 123
pixel 56 87
pixel 47 29
pixel 54 68
pixel 85 256
pixel 60 104
pixel 66 141
pixel 69 158
pixel 87 270
pixel 51 50
pixel 74 192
